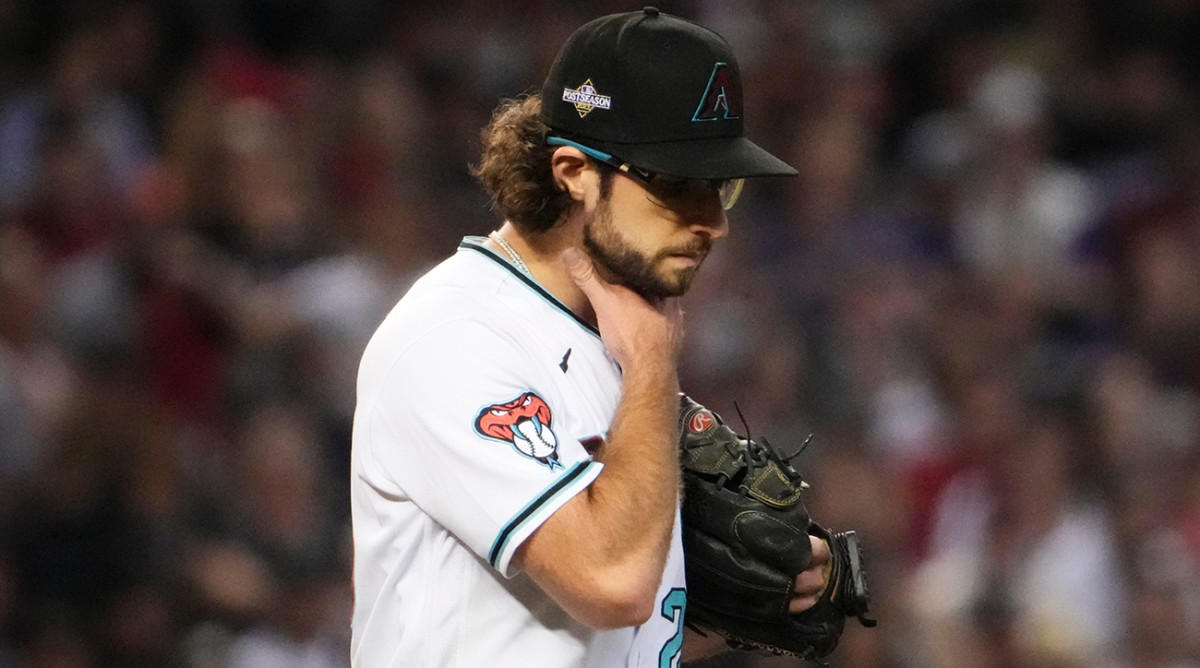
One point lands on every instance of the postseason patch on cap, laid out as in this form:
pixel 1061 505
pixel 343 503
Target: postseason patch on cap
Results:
pixel 585 98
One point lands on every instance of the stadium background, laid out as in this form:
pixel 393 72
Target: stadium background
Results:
pixel 981 295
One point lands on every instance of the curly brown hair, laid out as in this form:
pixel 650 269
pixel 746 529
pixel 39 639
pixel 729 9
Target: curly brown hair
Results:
pixel 515 167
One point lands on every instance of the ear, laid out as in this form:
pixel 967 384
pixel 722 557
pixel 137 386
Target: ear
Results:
pixel 573 171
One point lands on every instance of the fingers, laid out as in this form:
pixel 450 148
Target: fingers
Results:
pixel 636 332
pixel 580 267
pixel 583 272
pixel 821 555
pixel 810 584
pixel 807 590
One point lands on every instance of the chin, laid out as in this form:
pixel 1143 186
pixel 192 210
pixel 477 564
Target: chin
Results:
pixel 679 280
pixel 659 288
pixel 677 285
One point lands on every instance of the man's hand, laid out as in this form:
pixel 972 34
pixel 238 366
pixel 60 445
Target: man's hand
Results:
pixel 812 581
pixel 809 586
pixel 635 331
pixel 760 572
pixel 601 555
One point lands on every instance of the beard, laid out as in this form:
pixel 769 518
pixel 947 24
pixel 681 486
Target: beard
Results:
pixel 620 263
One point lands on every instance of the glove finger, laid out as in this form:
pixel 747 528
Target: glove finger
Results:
pixel 777 539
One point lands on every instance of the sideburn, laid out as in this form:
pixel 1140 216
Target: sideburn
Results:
pixel 616 262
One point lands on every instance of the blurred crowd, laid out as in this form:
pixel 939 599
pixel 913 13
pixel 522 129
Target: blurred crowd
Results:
pixel 981 296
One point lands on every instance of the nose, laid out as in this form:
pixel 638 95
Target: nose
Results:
pixel 712 224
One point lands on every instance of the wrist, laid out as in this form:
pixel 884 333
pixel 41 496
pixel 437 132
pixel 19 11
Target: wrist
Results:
pixel 651 366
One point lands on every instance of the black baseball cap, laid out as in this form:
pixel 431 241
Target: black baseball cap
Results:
pixel 655 91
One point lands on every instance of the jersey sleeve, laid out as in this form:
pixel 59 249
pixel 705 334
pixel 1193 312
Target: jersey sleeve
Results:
pixel 466 425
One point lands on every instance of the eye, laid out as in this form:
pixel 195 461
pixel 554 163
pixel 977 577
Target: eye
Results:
pixel 668 188
pixel 499 412
pixel 680 191
pixel 528 400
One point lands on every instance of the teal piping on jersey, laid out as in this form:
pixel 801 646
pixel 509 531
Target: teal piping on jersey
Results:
pixel 557 488
pixel 471 244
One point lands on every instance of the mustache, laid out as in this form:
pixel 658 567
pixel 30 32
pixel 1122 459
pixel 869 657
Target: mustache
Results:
pixel 700 246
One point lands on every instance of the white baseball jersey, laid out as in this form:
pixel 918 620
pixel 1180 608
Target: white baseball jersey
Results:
pixel 479 398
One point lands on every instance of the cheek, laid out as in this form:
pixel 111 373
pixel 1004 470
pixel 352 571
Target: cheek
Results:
pixel 645 235
pixel 644 226
pixel 641 224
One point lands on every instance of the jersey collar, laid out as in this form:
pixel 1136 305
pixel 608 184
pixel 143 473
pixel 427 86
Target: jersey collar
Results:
pixel 475 243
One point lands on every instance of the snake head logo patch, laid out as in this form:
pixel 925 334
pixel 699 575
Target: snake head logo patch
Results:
pixel 525 424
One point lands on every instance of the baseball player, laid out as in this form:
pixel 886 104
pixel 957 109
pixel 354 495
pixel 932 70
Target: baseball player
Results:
pixel 515 486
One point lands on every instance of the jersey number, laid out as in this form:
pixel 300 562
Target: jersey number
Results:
pixel 672 608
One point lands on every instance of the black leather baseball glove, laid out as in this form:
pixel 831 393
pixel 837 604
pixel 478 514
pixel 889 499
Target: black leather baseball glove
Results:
pixel 745 538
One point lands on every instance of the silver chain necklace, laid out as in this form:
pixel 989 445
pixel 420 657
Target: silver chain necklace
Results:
pixel 510 251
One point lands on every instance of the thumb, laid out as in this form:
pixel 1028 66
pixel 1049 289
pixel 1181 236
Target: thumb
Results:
pixel 580 268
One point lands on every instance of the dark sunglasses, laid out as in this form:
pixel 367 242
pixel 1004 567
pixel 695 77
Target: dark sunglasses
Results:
pixel 668 188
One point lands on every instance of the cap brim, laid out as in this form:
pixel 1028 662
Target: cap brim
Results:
pixel 716 158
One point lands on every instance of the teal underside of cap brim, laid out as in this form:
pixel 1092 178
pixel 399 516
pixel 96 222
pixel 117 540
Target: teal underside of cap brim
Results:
pixel 712 158
pixel 587 150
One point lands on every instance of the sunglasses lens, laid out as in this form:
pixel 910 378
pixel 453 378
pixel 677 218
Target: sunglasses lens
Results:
pixel 673 189
pixel 730 191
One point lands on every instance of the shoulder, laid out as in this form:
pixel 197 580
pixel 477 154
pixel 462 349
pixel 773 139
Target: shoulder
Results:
pixel 460 311
pixel 467 287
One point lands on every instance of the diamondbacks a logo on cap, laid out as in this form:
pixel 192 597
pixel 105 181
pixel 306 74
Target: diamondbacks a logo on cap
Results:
pixel 718 102
pixel 585 98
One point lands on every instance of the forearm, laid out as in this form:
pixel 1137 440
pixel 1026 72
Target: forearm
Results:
pixel 602 554
pixel 637 493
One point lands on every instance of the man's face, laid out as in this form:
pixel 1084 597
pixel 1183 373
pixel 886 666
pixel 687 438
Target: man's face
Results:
pixel 652 240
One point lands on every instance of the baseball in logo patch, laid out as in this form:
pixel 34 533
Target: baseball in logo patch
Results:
pixel 585 98
pixel 525 424
pixel 700 422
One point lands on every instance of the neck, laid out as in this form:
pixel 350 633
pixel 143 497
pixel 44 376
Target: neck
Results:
pixel 541 253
